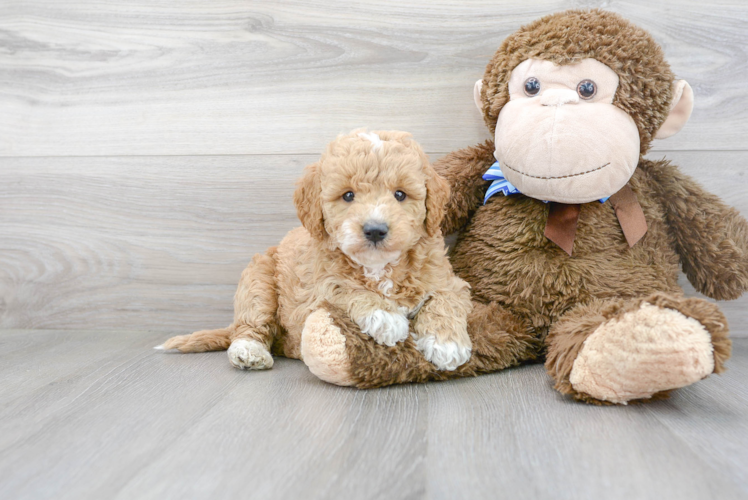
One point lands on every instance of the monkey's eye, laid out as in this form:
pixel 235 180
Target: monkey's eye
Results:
pixel 399 195
pixel 587 89
pixel 348 196
pixel 532 86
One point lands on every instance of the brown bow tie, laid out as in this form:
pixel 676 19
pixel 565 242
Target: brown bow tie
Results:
pixel 561 226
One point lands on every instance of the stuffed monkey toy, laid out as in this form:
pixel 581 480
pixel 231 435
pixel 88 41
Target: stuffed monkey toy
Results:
pixel 570 239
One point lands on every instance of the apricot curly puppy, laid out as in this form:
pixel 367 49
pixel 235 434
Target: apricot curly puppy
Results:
pixel 371 246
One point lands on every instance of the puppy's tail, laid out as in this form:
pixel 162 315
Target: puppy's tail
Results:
pixel 202 341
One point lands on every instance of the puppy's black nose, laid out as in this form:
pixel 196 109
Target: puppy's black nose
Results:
pixel 375 231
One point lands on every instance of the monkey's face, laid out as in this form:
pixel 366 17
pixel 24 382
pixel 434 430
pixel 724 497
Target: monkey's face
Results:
pixel 560 138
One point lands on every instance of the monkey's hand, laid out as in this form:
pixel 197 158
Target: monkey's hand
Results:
pixel 711 237
pixel 463 170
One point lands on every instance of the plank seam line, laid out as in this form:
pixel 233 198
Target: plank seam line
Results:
pixel 317 153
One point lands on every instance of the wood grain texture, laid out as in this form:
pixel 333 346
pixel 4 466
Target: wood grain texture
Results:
pixel 155 241
pixel 149 147
pixel 141 77
pixel 98 414
pixel 160 242
pixel 509 435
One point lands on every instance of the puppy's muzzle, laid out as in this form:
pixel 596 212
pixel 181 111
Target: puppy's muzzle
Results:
pixel 375 231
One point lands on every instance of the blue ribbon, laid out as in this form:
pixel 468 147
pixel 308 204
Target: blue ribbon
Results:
pixel 501 185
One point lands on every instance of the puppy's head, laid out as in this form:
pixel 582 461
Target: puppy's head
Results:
pixel 373 195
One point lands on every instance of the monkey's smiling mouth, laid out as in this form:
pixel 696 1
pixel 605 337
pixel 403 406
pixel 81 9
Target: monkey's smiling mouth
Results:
pixel 556 177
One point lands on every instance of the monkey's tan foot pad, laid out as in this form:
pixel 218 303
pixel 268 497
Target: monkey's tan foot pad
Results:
pixel 641 353
pixel 323 349
pixel 249 354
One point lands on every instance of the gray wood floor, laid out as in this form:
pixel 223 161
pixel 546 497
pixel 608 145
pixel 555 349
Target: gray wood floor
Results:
pixel 149 147
pixel 99 414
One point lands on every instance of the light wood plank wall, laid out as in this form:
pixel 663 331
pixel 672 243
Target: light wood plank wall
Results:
pixel 148 148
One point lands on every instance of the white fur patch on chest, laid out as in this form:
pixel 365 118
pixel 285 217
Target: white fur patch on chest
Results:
pixel 376 264
pixel 377 274
pixel 385 286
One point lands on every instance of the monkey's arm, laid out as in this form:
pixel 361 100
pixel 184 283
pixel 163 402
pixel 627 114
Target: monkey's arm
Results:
pixel 464 171
pixel 711 237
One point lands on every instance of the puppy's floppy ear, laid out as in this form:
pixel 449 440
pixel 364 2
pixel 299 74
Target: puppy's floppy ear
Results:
pixel 437 196
pixel 308 203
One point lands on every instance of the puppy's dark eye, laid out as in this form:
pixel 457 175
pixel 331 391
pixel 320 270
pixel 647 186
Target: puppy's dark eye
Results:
pixel 349 196
pixel 532 86
pixel 399 195
pixel 587 89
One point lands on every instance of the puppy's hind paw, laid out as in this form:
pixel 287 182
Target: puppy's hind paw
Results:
pixel 446 355
pixel 385 327
pixel 249 355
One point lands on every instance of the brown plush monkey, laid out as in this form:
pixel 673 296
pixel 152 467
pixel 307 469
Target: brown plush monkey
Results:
pixel 578 261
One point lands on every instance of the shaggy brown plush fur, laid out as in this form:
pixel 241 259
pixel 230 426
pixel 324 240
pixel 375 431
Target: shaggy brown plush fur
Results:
pixel 567 336
pixel 499 339
pixel 715 266
pixel 644 91
pixel 523 285
pixel 528 280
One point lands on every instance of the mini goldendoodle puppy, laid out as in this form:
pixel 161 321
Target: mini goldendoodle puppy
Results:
pixel 370 246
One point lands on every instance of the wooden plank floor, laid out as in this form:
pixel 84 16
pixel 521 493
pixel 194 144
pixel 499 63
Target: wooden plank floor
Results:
pixel 100 415
pixel 148 149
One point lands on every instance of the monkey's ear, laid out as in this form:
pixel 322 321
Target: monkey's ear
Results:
pixel 476 94
pixel 308 202
pixel 437 196
pixel 680 110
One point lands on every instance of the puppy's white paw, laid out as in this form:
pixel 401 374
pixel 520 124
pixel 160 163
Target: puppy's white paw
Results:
pixel 446 355
pixel 249 355
pixel 385 327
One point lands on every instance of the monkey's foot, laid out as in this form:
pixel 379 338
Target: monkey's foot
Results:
pixel 323 349
pixel 642 352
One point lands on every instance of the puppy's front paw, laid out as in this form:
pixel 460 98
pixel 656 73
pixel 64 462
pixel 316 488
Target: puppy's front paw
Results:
pixel 445 355
pixel 249 355
pixel 385 327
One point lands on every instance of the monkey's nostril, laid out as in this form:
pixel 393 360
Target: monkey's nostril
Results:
pixel 375 231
